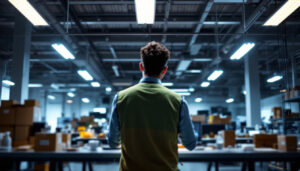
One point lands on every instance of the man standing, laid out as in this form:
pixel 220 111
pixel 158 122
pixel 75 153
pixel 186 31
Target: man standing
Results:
pixel 147 118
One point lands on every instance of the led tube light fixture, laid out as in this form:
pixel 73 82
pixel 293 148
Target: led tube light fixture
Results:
pixel 8 82
pixel 85 75
pixel 243 50
pixel 274 79
pixel 230 100
pixel 205 84
pixel 24 7
pixel 95 84
pixel 282 13
pixel 215 75
pixel 63 51
pixel 145 11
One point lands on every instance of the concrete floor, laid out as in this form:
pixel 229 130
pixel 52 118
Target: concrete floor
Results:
pixel 187 166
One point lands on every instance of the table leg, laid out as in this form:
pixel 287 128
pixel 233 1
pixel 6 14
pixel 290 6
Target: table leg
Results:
pixel 60 166
pixel 294 166
pixel 83 166
pixel 209 166
pixel 244 166
pixel 216 166
pixel 90 166
pixel 251 166
pixel 52 166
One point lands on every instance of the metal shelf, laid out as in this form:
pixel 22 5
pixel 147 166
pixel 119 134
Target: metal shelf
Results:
pixel 291 100
pixel 287 119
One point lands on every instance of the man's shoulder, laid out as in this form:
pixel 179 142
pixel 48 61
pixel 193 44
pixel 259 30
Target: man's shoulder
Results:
pixel 128 90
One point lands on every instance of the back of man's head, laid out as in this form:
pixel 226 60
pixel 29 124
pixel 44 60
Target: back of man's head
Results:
pixel 154 57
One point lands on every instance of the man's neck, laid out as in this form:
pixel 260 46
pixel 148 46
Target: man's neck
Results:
pixel 151 76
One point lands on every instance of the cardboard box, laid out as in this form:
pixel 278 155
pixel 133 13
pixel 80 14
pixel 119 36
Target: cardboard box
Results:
pixel 226 120
pixel 9 103
pixel 7 116
pixel 41 167
pixel 66 138
pixel 87 119
pixel 265 140
pixel 8 128
pixel 277 112
pixel 20 143
pixel 32 103
pixel 32 140
pixel 22 133
pixel 25 116
pixel 199 118
pixel 48 142
pixel 287 143
pixel 229 138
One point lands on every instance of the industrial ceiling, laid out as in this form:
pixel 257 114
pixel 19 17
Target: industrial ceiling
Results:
pixel 201 34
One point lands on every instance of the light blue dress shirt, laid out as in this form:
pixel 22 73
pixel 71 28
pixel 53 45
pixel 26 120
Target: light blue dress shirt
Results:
pixel 185 127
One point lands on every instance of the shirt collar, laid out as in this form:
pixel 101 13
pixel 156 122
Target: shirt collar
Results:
pixel 150 80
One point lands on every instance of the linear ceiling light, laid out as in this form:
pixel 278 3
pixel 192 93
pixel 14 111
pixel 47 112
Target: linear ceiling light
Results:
pixel 35 85
pixel 8 82
pixel 205 84
pixel 24 7
pixel 180 90
pixel 85 75
pixel 85 100
pixel 63 51
pixel 95 84
pixel 198 100
pixel 282 13
pixel 70 94
pixel 184 94
pixel 101 110
pixel 167 84
pixel 145 11
pixel 108 89
pixel 274 79
pixel 51 97
pixel 116 71
pixel 215 75
pixel 245 48
pixel 230 100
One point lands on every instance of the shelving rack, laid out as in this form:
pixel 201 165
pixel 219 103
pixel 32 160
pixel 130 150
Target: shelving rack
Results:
pixel 285 121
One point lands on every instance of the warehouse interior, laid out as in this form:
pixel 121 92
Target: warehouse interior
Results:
pixel 254 93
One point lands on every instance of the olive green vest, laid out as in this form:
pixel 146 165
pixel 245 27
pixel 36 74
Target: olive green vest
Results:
pixel 149 116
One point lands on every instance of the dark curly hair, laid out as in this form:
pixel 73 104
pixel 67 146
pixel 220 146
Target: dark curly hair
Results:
pixel 154 57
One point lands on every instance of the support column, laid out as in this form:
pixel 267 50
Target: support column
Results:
pixel 63 107
pixel 1 76
pixel 44 116
pixel 252 87
pixel 20 60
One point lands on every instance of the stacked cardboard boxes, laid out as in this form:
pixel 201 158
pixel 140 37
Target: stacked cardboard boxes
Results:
pixel 199 118
pixel 216 119
pixel 229 138
pixel 265 140
pixel 18 119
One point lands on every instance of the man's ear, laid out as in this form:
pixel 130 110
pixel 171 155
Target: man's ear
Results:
pixel 165 70
pixel 141 67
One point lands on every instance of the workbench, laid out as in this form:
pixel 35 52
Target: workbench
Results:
pixel 216 156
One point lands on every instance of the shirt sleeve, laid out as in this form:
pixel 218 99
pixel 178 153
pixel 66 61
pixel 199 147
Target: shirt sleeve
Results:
pixel 114 125
pixel 186 129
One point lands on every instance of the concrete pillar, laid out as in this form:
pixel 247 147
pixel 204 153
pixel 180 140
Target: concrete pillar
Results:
pixel 1 76
pixel 20 59
pixel 63 106
pixel 44 116
pixel 234 93
pixel 252 87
